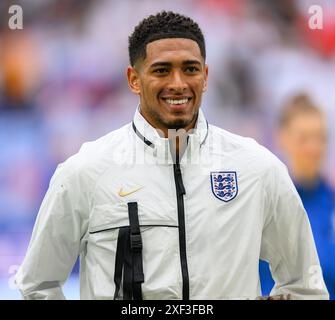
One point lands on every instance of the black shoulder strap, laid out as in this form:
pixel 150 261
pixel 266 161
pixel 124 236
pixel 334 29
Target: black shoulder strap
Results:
pixel 119 258
pixel 127 271
pixel 129 258
pixel 136 250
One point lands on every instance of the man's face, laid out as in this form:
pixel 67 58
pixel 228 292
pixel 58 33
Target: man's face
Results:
pixel 170 82
pixel 304 141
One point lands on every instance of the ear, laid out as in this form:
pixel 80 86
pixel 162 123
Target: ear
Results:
pixel 206 78
pixel 133 80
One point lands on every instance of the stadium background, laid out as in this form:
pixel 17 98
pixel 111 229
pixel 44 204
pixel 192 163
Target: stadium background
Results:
pixel 62 82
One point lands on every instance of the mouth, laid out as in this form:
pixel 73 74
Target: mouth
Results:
pixel 177 104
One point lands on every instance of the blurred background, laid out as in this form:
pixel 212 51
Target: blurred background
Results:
pixel 62 82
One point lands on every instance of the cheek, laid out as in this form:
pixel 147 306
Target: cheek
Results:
pixel 308 151
pixel 152 90
pixel 147 94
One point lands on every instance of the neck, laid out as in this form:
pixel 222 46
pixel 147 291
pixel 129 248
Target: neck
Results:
pixel 178 146
pixel 305 177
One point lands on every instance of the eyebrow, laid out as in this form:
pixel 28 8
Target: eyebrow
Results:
pixel 169 64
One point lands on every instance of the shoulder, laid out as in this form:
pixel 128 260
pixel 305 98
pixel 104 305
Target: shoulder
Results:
pixel 93 158
pixel 245 151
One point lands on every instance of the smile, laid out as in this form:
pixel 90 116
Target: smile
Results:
pixel 180 101
pixel 177 103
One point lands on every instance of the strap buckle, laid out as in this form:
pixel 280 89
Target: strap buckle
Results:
pixel 136 242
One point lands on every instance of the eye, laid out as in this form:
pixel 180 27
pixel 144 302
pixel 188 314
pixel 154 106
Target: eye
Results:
pixel 160 70
pixel 192 69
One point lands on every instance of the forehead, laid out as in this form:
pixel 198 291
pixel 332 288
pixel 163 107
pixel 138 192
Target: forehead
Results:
pixel 172 50
pixel 308 121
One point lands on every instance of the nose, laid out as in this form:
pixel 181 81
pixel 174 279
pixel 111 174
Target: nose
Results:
pixel 177 81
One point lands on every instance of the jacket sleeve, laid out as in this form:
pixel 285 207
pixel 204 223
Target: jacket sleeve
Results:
pixel 57 236
pixel 287 240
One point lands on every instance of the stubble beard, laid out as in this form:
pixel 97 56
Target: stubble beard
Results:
pixel 174 124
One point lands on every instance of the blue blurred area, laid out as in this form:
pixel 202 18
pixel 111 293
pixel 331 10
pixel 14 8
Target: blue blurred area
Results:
pixel 62 82
pixel 319 202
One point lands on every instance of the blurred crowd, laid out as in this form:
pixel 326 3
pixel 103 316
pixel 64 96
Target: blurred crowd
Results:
pixel 62 82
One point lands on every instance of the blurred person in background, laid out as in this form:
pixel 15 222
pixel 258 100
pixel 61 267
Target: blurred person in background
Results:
pixel 303 138
pixel 19 68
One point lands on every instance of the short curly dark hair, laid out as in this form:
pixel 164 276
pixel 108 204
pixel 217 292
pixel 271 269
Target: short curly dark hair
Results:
pixel 165 24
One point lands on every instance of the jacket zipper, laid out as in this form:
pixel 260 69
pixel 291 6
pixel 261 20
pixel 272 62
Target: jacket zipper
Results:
pixel 180 189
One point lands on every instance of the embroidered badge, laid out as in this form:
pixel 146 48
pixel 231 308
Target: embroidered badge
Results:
pixel 224 185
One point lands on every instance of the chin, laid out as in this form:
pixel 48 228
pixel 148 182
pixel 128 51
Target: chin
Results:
pixel 178 123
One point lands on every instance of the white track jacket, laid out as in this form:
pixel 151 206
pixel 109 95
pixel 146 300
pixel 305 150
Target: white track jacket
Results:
pixel 146 227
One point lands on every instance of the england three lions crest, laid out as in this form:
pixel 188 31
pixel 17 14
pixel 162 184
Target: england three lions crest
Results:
pixel 224 185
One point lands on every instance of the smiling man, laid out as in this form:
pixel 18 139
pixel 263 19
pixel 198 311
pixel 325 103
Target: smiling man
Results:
pixel 170 81
pixel 189 222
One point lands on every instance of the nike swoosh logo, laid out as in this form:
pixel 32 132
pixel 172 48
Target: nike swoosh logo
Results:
pixel 126 193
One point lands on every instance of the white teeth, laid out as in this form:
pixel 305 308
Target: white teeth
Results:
pixel 182 101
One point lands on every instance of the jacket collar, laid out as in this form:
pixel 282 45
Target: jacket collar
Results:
pixel 159 146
